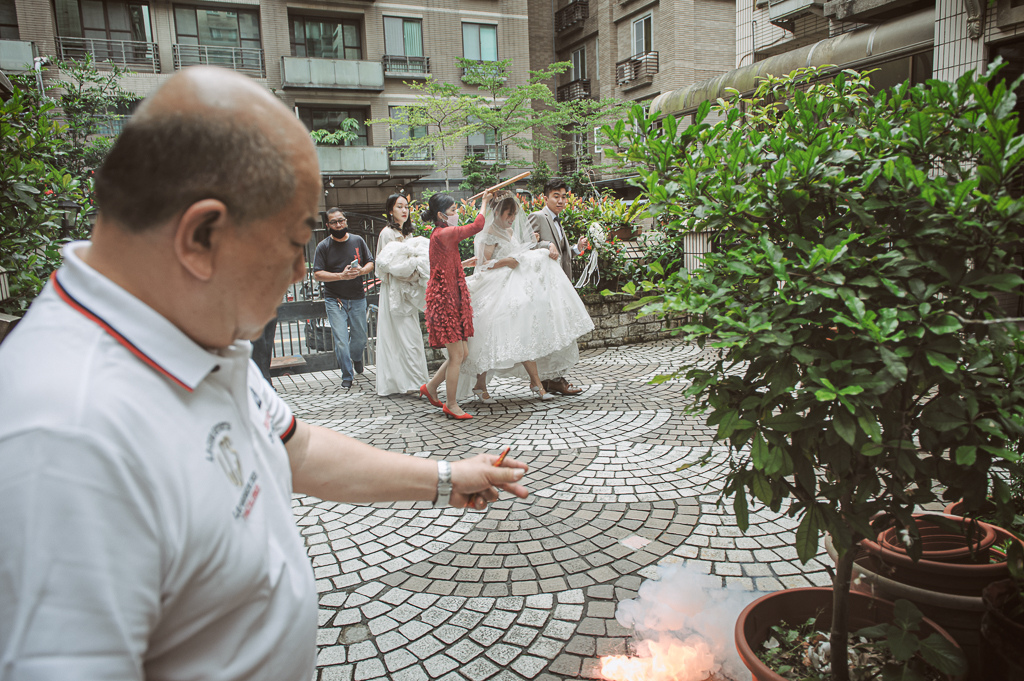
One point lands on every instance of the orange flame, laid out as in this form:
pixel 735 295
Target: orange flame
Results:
pixel 668 661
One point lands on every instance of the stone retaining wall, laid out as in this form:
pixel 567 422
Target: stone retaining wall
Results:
pixel 613 326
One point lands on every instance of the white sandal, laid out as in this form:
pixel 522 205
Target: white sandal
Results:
pixel 480 396
pixel 544 396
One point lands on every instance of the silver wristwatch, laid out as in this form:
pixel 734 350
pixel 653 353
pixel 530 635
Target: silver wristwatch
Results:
pixel 444 484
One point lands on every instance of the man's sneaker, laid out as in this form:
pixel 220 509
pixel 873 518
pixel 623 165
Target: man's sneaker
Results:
pixel 358 364
pixel 347 383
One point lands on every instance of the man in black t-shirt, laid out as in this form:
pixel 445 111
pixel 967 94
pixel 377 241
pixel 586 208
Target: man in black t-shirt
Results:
pixel 340 262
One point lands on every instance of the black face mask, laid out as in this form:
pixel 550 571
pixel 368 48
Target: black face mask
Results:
pixel 338 233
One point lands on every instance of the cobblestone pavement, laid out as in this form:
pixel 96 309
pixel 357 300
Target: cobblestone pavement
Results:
pixel 528 588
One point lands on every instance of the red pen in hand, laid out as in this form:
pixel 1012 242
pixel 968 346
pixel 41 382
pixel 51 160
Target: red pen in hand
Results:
pixel 471 500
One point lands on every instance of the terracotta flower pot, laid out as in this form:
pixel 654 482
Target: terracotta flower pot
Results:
pixel 960 616
pixel 794 606
pixel 942 568
pixel 942 545
pixel 1002 636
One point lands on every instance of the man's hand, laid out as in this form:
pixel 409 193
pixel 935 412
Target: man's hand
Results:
pixel 582 244
pixel 479 476
pixel 350 273
pixel 552 252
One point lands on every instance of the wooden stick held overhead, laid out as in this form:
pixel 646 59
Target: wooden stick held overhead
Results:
pixel 503 183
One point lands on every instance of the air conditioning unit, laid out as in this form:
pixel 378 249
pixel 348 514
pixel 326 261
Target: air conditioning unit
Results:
pixel 784 12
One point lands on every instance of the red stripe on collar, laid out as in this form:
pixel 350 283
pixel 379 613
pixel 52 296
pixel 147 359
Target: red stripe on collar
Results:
pixel 89 314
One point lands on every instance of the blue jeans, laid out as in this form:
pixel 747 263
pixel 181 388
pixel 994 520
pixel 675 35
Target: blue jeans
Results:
pixel 348 326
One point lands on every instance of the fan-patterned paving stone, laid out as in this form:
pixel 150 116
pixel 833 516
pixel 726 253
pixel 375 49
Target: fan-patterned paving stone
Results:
pixel 622 479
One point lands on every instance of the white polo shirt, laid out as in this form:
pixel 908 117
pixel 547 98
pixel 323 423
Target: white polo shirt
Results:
pixel 146 528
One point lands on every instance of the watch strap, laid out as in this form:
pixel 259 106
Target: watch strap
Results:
pixel 444 484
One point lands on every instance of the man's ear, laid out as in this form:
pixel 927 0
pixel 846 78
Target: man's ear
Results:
pixel 200 230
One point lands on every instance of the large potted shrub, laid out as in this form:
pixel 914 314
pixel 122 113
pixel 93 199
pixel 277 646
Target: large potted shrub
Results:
pixel 860 236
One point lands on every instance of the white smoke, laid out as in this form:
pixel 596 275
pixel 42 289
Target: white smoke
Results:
pixel 679 617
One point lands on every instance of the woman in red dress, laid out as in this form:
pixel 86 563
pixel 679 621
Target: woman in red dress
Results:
pixel 449 315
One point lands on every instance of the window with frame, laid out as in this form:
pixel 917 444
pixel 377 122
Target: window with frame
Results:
pixel 480 42
pixel 403 37
pixel 642 35
pixel 217 27
pixel 579 64
pixel 326 38
pixel 96 19
pixel 8 20
pixel 401 132
pixel 330 119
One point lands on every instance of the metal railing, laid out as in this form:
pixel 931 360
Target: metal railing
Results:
pixel 488 152
pixel 570 164
pixel 577 89
pixel 423 155
pixel 398 64
pixel 572 15
pixel 247 60
pixel 637 68
pixel 130 53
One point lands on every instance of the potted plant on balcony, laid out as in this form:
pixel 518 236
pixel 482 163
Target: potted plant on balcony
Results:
pixel 861 363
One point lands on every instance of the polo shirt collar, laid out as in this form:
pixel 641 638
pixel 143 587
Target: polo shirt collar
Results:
pixel 152 338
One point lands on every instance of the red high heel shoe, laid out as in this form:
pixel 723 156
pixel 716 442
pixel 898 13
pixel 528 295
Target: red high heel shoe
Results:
pixel 426 393
pixel 449 414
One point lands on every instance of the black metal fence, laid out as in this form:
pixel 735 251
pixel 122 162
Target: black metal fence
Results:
pixel 302 327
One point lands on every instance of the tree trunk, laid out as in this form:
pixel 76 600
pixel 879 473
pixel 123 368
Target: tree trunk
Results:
pixel 839 635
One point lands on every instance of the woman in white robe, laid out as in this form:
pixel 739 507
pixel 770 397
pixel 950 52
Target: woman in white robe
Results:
pixel 526 313
pixel 403 272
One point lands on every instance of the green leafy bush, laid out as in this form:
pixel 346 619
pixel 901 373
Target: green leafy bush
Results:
pixel 860 238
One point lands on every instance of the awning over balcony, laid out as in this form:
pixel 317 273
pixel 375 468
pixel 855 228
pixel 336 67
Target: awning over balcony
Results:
pixel 861 48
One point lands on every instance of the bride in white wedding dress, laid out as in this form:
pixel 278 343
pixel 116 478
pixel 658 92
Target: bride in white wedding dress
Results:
pixel 526 313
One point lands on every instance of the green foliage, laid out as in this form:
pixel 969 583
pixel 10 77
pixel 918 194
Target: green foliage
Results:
pixel 442 109
pixel 347 131
pixel 31 185
pixel 511 112
pixel 581 120
pixel 887 651
pixel 480 175
pixel 93 105
pixel 50 147
pixel 860 239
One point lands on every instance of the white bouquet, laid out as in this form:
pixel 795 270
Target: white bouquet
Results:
pixel 597 236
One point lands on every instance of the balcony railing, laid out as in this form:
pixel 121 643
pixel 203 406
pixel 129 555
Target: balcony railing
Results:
pixel 397 65
pixel 140 56
pixel 572 15
pixel 488 152
pixel 411 156
pixel 577 89
pixel 638 69
pixel 247 60
pixel 479 69
pixel 352 160
pixel 570 164
pixel 322 73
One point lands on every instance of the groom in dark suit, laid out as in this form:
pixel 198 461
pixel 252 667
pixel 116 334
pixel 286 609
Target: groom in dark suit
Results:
pixel 546 226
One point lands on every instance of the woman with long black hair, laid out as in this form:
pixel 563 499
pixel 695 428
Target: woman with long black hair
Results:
pixel 401 358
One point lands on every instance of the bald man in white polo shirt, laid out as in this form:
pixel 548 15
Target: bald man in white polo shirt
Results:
pixel 146 529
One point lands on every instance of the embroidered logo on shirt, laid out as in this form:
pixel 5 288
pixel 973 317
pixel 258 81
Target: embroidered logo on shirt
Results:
pixel 219 449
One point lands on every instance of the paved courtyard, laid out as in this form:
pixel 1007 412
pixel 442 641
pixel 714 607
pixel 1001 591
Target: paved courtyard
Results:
pixel 528 588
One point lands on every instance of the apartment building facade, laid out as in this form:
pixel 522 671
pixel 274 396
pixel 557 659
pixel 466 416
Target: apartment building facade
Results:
pixel 632 50
pixel 332 60
pixel 327 59
pixel 901 39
